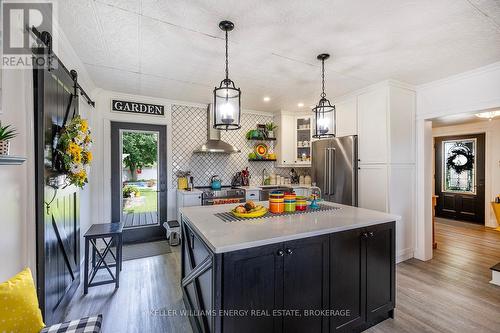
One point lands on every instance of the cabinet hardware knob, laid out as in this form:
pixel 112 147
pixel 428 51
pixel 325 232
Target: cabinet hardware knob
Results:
pixel 371 234
pixel 280 253
pixel 289 251
pixel 365 235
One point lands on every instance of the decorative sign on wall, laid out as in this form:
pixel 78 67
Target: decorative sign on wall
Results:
pixel 135 107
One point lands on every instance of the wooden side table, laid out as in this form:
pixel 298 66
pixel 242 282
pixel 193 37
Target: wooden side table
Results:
pixel 496 209
pixel 112 235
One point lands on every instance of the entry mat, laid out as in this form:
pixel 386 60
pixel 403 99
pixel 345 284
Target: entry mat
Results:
pixel 229 217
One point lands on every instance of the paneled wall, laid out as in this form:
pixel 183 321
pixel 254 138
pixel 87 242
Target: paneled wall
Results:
pixel 189 131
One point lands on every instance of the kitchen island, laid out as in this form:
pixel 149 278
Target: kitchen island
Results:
pixel 323 271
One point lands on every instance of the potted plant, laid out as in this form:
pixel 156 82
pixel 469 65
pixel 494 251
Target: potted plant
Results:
pixel 270 127
pixel 6 133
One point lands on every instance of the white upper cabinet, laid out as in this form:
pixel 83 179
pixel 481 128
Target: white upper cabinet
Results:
pixel 303 140
pixel 294 136
pixel 386 122
pixel 402 125
pixel 372 127
pixel 346 117
pixel 285 148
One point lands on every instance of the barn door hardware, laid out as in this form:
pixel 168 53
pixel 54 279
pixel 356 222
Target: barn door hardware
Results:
pixel 45 39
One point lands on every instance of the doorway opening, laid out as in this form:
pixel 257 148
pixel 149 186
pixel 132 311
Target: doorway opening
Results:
pixel 138 180
pixel 465 179
pixel 459 173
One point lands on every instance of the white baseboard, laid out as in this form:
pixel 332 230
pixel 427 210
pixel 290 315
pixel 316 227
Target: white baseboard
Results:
pixel 495 278
pixel 403 255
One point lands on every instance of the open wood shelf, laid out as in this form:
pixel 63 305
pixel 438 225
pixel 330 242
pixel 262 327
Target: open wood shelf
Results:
pixel 261 160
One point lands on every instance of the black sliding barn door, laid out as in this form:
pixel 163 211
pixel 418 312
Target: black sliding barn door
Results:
pixel 57 208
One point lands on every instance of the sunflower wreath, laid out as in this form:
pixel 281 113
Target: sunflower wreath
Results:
pixel 460 151
pixel 74 151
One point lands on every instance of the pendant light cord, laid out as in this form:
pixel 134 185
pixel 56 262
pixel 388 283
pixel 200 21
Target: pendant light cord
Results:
pixel 323 95
pixel 227 62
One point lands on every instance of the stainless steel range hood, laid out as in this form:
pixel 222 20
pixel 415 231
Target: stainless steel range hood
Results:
pixel 214 144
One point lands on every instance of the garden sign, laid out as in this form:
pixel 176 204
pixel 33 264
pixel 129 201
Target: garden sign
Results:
pixel 135 107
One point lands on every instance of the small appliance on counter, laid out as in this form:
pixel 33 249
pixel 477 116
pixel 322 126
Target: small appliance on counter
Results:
pixel 215 183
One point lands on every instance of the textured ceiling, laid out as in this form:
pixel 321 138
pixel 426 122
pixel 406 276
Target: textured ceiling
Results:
pixel 174 48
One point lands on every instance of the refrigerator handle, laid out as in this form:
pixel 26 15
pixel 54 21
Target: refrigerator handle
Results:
pixel 331 171
pixel 326 172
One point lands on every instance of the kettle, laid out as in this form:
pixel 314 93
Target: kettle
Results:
pixel 215 183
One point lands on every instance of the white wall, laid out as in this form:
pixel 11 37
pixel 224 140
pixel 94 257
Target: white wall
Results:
pixel 100 123
pixel 472 91
pixel 492 158
pixel 17 218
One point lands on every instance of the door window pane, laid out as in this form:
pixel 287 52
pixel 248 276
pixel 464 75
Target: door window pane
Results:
pixel 459 168
pixel 139 178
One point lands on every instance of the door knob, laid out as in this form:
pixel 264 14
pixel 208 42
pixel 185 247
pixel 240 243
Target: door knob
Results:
pixel 289 251
pixel 280 253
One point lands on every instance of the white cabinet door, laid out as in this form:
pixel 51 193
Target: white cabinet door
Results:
pixel 302 146
pixel 372 187
pixel 285 147
pixel 372 126
pixel 346 117
pixel 192 200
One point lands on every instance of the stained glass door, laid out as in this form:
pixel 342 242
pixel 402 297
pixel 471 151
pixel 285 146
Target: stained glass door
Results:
pixel 459 177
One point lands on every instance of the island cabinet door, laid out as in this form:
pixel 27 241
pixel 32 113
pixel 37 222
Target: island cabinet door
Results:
pixel 253 289
pixel 347 280
pixel 306 285
pixel 380 271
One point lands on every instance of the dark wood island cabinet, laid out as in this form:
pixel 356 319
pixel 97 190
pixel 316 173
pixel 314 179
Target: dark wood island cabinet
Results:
pixel 337 282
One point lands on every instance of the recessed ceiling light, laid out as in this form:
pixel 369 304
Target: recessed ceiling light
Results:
pixel 300 105
pixel 267 99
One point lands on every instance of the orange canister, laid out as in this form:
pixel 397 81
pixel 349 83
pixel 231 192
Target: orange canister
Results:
pixel 276 202
pixel 301 203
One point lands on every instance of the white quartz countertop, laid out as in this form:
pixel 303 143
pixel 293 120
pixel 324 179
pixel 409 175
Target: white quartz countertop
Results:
pixel 223 236
pixel 186 192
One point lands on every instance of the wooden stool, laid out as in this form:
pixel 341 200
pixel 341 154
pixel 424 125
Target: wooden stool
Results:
pixel 113 232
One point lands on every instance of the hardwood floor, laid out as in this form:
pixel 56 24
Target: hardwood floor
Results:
pixel 450 293
pixel 149 287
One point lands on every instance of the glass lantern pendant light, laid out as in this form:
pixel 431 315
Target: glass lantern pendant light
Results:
pixel 227 98
pixel 324 112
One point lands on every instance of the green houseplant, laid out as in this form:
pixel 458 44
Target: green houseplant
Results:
pixel 270 127
pixel 6 134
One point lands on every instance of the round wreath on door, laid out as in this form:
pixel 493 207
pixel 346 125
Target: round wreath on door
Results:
pixel 74 151
pixel 460 159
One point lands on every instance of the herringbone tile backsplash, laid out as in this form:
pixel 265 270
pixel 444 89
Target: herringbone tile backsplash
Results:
pixel 189 126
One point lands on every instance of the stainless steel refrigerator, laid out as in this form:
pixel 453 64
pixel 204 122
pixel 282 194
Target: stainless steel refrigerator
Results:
pixel 335 169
